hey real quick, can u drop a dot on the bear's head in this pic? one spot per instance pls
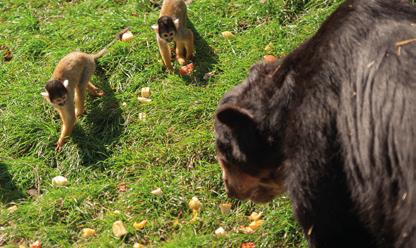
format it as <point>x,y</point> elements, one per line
<point>250,130</point>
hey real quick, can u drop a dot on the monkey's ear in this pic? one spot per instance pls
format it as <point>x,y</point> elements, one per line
<point>176,22</point>
<point>234,116</point>
<point>66,83</point>
<point>155,27</point>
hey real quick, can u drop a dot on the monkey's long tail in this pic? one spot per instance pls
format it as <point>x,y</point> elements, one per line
<point>105,49</point>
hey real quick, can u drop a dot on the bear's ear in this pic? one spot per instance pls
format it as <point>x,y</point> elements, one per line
<point>234,117</point>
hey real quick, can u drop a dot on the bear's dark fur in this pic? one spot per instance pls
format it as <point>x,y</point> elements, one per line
<point>339,114</point>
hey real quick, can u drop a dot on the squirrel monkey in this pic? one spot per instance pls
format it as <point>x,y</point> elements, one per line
<point>171,27</point>
<point>68,85</point>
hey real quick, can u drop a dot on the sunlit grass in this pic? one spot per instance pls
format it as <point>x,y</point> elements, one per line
<point>172,149</point>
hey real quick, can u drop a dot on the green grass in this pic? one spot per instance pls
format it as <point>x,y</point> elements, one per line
<point>172,149</point>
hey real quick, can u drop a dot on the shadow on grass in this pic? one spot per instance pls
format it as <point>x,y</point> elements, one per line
<point>8,190</point>
<point>104,118</point>
<point>204,59</point>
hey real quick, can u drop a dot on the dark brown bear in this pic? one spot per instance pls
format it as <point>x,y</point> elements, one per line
<point>333,125</point>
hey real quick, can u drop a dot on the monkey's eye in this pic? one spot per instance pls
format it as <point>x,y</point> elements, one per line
<point>165,35</point>
<point>171,33</point>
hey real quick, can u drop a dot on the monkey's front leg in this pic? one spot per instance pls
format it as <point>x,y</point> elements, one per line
<point>68,118</point>
<point>94,91</point>
<point>180,47</point>
<point>165,53</point>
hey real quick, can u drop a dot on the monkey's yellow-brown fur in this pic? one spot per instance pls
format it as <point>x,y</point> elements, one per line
<point>184,38</point>
<point>67,87</point>
<point>77,68</point>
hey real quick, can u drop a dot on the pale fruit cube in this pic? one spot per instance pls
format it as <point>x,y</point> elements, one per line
<point>87,232</point>
<point>220,232</point>
<point>12,209</point>
<point>59,181</point>
<point>127,36</point>
<point>195,204</point>
<point>157,192</point>
<point>145,92</point>
<point>118,229</point>
<point>143,99</point>
<point>227,35</point>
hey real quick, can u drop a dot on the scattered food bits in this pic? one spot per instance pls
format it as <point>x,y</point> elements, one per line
<point>12,209</point>
<point>122,187</point>
<point>220,232</point>
<point>225,208</point>
<point>36,244</point>
<point>139,225</point>
<point>269,58</point>
<point>186,69</point>
<point>157,192</point>
<point>246,230</point>
<point>195,204</point>
<point>248,245</point>
<point>137,245</point>
<point>143,99</point>
<point>127,36</point>
<point>145,92</point>
<point>142,116</point>
<point>59,181</point>
<point>118,229</point>
<point>194,216</point>
<point>227,35</point>
<point>87,232</point>
<point>256,224</point>
<point>117,212</point>
<point>124,104</point>
<point>255,216</point>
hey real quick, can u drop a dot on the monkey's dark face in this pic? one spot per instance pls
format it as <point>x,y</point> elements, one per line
<point>166,28</point>
<point>60,101</point>
<point>57,92</point>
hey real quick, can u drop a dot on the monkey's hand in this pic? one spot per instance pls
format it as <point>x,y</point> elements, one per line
<point>59,145</point>
<point>100,93</point>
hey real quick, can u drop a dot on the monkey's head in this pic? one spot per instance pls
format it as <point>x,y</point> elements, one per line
<point>249,137</point>
<point>56,92</point>
<point>166,27</point>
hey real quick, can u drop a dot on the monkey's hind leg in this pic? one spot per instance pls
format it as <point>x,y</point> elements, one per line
<point>165,53</point>
<point>180,49</point>
<point>94,90</point>
<point>79,100</point>
<point>189,45</point>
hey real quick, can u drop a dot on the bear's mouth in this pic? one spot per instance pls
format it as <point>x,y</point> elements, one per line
<point>263,194</point>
